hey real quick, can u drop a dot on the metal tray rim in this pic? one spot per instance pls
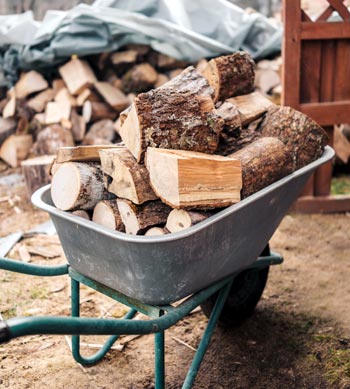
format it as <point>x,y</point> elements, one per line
<point>39,203</point>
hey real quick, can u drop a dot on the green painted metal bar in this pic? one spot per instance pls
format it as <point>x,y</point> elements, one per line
<point>204,343</point>
<point>159,359</point>
<point>31,269</point>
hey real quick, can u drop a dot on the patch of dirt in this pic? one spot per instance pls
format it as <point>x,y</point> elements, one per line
<point>298,336</point>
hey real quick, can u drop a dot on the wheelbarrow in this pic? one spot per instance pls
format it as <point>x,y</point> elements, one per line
<point>220,264</point>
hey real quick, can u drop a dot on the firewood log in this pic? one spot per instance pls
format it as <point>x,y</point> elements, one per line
<point>232,120</point>
<point>102,129</point>
<point>139,78</point>
<point>263,162</point>
<point>7,128</point>
<point>9,110</point>
<point>30,82</point>
<point>78,126</point>
<point>51,138</point>
<point>161,80</point>
<point>38,102</point>
<point>78,185</point>
<point>126,178</point>
<point>155,231</point>
<point>63,95</point>
<point>122,61</point>
<point>15,149</point>
<point>184,179</point>
<point>180,219</point>
<point>250,106</point>
<point>107,214</point>
<point>231,75</point>
<point>78,75</point>
<point>304,138</point>
<point>113,96</point>
<point>36,172</point>
<point>178,116</point>
<point>82,213</point>
<point>82,153</point>
<point>138,218</point>
<point>86,94</point>
<point>94,110</point>
<point>164,62</point>
<point>55,112</point>
<point>57,85</point>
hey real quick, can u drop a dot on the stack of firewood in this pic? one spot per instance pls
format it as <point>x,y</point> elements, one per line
<point>198,143</point>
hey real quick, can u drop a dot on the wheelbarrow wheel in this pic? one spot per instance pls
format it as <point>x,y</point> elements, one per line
<point>245,293</point>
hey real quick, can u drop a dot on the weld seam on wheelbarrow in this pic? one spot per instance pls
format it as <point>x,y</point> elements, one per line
<point>162,317</point>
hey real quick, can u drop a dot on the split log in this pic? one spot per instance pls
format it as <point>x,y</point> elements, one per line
<point>232,120</point>
<point>94,110</point>
<point>15,149</point>
<point>341,145</point>
<point>139,78</point>
<point>180,219</point>
<point>122,61</point>
<point>9,110</point>
<point>38,102</point>
<point>77,185</point>
<point>64,96</point>
<point>78,75</point>
<point>164,62</point>
<point>126,178</point>
<point>201,65</point>
<point>29,83</point>
<point>86,94</point>
<point>155,231</point>
<point>231,75</point>
<point>107,214</point>
<point>36,172</point>
<point>176,115</point>
<point>57,85</point>
<point>185,179</point>
<point>51,138</point>
<point>161,80</point>
<point>81,153</point>
<point>7,128</point>
<point>55,112</point>
<point>266,80</point>
<point>304,138</point>
<point>82,213</point>
<point>251,106</point>
<point>138,218</point>
<point>113,96</point>
<point>102,129</point>
<point>78,126</point>
<point>263,162</point>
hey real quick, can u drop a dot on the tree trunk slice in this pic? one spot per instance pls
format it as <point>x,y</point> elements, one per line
<point>107,214</point>
<point>82,213</point>
<point>126,178</point>
<point>303,137</point>
<point>36,172</point>
<point>231,75</point>
<point>180,219</point>
<point>263,162</point>
<point>51,138</point>
<point>137,219</point>
<point>77,185</point>
<point>155,231</point>
<point>185,179</point>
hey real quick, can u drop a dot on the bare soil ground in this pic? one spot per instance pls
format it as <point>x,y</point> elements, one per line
<point>298,337</point>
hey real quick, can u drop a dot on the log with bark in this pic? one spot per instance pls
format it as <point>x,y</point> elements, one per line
<point>264,161</point>
<point>15,149</point>
<point>138,218</point>
<point>82,213</point>
<point>185,179</point>
<point>231,75</point>
<point>180,219</point>
<point>100,130</point>
<point>107,214</point>
<point>78,126</point>
<point>304,138</point>
<point>155,231</point>
<point>51,138</point>
<point>125,177</point>
<point>36,172</point>
<point>173,116</point>
<point>78,185</point>
<point>139,78</point>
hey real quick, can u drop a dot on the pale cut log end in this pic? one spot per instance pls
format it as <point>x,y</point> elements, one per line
<point>106,213</point>
<point>155,231</point>
<point>128,216</point>
<point>81,213</point>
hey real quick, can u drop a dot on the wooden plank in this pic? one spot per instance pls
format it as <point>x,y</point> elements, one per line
<point>327,113</point>
<point>322,204</point>
<point>310,72</point>
<point>327,70</point>
<point>339,6</point>
<point>82,153</point>
<point>291,53</point>
<point>325,14</point>
<point>325,30</point>
<point>308,189</point>
<point>342,71</point>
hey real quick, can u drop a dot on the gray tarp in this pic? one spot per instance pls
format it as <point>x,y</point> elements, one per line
<point>184,29</point>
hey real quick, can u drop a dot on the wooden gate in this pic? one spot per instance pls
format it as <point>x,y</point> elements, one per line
<point>316,81</point>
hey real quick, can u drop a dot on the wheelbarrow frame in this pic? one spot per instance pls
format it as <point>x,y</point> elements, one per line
<point>161,317</point>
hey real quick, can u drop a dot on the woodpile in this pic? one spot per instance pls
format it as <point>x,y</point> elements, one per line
<point>198,143</point>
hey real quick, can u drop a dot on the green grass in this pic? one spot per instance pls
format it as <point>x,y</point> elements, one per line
<point>340,185</point>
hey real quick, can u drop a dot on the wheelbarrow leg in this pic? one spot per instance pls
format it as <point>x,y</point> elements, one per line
<point>159,360</point>
<point>75,304</point>
<point>204,343</point>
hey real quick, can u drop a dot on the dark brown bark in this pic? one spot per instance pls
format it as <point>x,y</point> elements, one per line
<point>304,138</point>
<point>139,78</point>
<point>263,162</point>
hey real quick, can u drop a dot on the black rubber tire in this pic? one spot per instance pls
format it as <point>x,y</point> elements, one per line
<point>243,297</point>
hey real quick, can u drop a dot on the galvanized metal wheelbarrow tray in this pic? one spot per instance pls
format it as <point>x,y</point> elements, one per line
<point>149,273</point>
